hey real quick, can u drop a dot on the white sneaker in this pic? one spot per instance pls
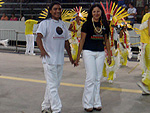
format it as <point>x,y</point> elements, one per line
<point>32,54</point>
<point>143,87</point>
<point>26,53</point>
<point>144,94</point>
<point>110,81</point>
<point>46,111</point>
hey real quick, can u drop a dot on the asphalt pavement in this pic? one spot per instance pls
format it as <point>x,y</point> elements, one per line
<point>22,87</point>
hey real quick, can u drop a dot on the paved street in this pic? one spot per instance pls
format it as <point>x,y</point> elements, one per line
<point>22,86</point>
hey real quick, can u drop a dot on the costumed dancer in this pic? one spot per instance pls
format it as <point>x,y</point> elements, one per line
<point>124,45</point>
<point>114,16</point>
<point>145,53</point>
<point>75,28</point>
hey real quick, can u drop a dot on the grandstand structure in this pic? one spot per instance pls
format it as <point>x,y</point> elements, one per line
<point>34,7</point>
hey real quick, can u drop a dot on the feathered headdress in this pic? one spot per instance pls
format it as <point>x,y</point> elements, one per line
<point>78,12</point>
<point>1,2</point>
<point>66,15</point>
<point>114,13</point>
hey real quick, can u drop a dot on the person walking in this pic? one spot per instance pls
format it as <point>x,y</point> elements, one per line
<point>94,36</point>
<point>52,37</point>
<point>29,36</point>
<point>145,53</point>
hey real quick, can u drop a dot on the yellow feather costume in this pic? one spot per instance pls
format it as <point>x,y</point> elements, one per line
<point>116,17</point>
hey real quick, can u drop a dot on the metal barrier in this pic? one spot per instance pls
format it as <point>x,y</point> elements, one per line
<point>17,39</point>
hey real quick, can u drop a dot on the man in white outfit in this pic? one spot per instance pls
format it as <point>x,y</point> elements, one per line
<point>52,37</point>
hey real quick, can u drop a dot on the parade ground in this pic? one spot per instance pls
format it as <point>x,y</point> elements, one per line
<point>22,87</point>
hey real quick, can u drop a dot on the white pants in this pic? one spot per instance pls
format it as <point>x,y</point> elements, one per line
<point>29,43</point>
<point>94,62</point>
<point>53,75</point>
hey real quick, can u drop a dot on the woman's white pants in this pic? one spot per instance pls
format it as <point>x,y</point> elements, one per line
<point>53,75</point>
<point>29,44</point>
<point>94,62</point>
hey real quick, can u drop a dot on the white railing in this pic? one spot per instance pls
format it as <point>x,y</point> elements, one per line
<point>14,37</point>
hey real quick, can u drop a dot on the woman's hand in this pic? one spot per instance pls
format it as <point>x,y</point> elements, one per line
<point>76,62</point>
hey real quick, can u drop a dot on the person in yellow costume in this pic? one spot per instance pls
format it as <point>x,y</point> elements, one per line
<point>115,15</point>
<point>123,45</point>
<point>29,36</point>
<point>145,40</point>
<point>75,28</point>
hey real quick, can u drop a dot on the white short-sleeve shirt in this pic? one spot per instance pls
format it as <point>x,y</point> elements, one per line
<point>54,35</point>
<point>130,11</point>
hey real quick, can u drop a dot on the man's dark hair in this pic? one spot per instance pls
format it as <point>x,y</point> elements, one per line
<point>50,8</point>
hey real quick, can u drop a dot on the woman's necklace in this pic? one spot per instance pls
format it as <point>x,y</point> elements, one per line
<point>98,31</point>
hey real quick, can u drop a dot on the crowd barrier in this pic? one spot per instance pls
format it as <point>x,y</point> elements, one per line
<point>16,36</point>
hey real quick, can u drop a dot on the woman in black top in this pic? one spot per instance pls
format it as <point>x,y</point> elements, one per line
<point>94,36</point>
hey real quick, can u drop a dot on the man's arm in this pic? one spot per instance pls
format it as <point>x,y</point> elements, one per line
<point>40,45</point>
<point>82,41</point>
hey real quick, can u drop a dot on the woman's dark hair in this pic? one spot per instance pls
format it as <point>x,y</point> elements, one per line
<point>102,17</point>
<point>50,8</point>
